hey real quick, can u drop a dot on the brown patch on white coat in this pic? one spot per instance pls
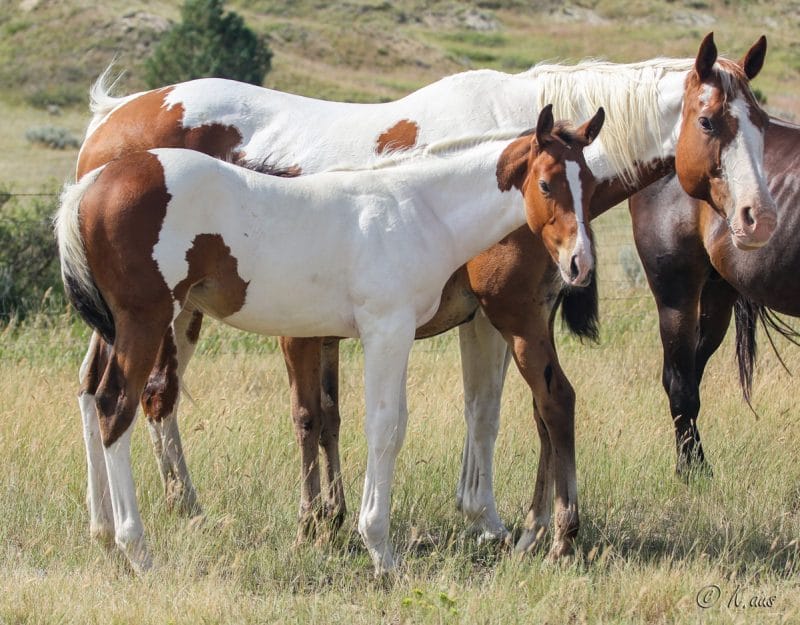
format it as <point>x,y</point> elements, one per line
<point>131,206</point>
<point>149,122</point>
<point>402,136</point>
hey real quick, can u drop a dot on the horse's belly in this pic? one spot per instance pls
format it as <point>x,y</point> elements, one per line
<point>298,312</point>
<point>458,305</point>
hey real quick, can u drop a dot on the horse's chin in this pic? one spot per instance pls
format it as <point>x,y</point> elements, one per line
<point>746,245</point>
<point>578,283</point>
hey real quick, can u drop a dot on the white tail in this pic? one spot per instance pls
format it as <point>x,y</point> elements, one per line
<point>75,272</point>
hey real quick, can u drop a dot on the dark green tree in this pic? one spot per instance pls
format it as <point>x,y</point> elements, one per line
<point>208,42</point>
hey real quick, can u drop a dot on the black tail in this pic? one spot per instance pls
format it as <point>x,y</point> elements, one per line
<point>90,305</point>
<point>747,314</point>
<point>579,311</point>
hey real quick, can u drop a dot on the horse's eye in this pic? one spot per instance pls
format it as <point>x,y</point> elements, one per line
<point>545,188</point>
<point>706,125</point>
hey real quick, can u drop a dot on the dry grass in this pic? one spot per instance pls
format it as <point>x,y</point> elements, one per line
<point>648,543</point>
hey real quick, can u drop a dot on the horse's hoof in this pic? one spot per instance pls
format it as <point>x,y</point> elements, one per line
<point>499,538</point>
<point>181,500</point>
<point>561,551</point>
<point>103,535</point>
<point>530,541</point>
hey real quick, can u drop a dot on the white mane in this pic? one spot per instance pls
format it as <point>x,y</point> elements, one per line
<point>628,93</point>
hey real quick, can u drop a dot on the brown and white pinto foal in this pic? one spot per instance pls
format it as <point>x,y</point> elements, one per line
<point>152,233</point>
<point>504,298</point>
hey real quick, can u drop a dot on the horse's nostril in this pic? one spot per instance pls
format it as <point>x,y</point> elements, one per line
<point>747,217</point>
<point>573,268</point>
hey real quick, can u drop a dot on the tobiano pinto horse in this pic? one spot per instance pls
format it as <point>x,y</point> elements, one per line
<point>153,234</point>
<point>699,278</point>
<point>504,299</point>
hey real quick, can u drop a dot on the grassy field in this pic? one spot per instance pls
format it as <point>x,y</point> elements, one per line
<point>648,543</point>
<point>650,546</point>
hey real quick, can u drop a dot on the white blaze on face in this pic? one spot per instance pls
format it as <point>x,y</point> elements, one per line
<point>743,161</point>
<point>583,246</point>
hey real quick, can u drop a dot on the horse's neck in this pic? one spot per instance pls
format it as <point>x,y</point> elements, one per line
<point>461,195</point>
<point>652,162</point>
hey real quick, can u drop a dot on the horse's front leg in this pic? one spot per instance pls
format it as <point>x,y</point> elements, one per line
<point>387,343</point>
<point>677,267</point>
<point>302,358</point>
<point>160,403</point>
<point>484,362</point>
<point>554,411</point>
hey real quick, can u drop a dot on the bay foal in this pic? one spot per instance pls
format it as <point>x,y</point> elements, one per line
<point>504,298</point>
<point>361,253</point>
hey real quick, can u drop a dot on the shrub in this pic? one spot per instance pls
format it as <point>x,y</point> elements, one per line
<point>632,267</point>
<point>29,269</point>
<point>208,43</point>
<point>52,137</point>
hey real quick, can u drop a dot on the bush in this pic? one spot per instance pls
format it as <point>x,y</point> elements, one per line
<point>632,267</point>
<point>52,137</point>
<point>208,43</point>
<point>29,270</point>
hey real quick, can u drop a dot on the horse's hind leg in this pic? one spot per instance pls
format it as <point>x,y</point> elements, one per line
<point>302,358</point>
<point>334,507</point>
<point>160,403</point>
<point>98,498</point>
<point>132,357</point>
<point>484,362</point>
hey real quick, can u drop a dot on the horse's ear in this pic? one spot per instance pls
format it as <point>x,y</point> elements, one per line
<point>753,61</point>
<point>592,128</point>
<point>512,166</point>
<point>706,57</point>
<point>544,126</point>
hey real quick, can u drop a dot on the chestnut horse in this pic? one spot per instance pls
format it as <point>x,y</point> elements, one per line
<point>504,298</point>
<point>153,234</point>
<point>698,278</point>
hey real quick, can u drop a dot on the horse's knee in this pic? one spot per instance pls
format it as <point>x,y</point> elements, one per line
<point>160,395</point>
<point>307,425</point>
<point>331,421</point>
<point>558,405</point>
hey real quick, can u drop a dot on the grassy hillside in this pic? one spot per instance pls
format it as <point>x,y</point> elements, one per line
<point>361,50</point>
